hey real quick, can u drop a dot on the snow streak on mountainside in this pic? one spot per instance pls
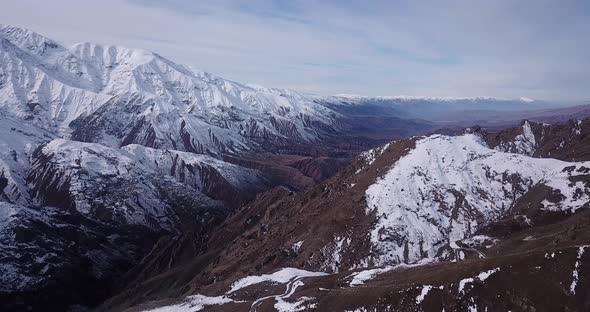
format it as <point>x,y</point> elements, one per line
<point>117,96</point>
<point>524,143</point>
<point>135,184</point>
<point>17,143</point>
<point>449,187</point>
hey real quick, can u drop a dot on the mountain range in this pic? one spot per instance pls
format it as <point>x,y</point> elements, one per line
<point>130,182</point>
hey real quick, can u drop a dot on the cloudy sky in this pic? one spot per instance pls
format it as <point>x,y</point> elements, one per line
<point>504,48</point>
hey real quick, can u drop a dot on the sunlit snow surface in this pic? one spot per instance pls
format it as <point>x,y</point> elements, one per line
<point>480,277</point>
<point>51,86</point>
<point>359,278</point>
<point>194,303</point>
<point>576,272</point>
<point>524,143</point>
<point>291,277</point>
<point>448,187</point>
<point>17,142</point>
<point>282,276</point>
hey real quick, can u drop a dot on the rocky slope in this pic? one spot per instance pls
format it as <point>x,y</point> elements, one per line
<point>475,208</point>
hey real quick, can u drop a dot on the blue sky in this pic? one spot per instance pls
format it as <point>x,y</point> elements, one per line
<point>528,48</point>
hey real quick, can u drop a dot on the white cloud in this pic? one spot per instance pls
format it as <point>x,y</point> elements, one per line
<point>532,48</point>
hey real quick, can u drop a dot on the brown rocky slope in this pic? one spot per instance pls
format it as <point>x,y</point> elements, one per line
<point>516,259</point>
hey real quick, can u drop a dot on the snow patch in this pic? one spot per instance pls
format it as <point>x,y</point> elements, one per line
<point>333,253</point>
<point>524,143</point>
<point>194,303</point>
<point>423,293</point>
<point>281,276</point>
<point>481,277</point>
<point>297,246</point>
<point>359,278</point>
<point>576,272</point>
<point>302,304</point>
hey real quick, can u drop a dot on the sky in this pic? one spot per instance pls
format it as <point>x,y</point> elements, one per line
<point>537,49</point>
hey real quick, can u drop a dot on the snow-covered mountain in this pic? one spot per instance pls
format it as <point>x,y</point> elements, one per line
<point>118,96</point>
<point>447,188</point>
<point>104,149</point>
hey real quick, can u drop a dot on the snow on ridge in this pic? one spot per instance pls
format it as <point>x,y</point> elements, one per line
<point>82,168</point>
<point>17,143</point>
<point>524,143</point>
<point>359,278</point>
<point>26,39</point>
<point>371,155</point>
<point>414,201</point>
<point>425,290</point>
<point>576,273</point>
<point>162,160</point>
<point>481,277</point>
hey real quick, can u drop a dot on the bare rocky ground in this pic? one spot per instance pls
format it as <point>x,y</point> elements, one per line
<point>533,270</point>
<point>530,260</point>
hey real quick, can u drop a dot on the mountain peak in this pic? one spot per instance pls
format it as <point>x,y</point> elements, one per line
<point>92,51</point>
<point>27,40</point>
